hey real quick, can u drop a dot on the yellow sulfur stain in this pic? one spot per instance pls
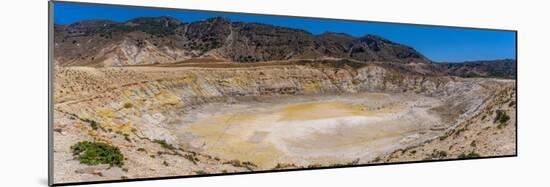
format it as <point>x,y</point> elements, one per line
<point>166,98</point>
<point>229,135</point>
<point>311,87</point>
<point>228,82</point>
<point>125,128</point>
<point>310,111</point>
<point>106,113</point>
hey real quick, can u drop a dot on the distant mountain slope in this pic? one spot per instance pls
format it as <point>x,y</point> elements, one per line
<point>150,40</point>
<point>491,68</point>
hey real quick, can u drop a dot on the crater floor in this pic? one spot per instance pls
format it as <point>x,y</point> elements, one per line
<point>310,130</point>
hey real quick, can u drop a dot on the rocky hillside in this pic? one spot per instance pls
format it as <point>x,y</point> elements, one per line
<point>153,40</point>
<point>493,68</point>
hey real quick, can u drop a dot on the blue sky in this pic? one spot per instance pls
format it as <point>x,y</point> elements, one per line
<point>440,44</point>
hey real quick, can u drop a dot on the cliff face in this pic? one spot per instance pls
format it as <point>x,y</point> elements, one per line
<point>151,40</point>
<point>298,79</point>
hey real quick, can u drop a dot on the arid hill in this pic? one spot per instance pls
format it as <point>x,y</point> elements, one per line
<point>151,40</point>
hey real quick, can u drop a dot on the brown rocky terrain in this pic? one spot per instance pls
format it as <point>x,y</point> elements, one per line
<point>155,40</point>
<point>178,99</point>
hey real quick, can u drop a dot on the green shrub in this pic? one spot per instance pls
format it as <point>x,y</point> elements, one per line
<point>94,153</point>
<point>201,172</point>
<point>164,144</point>
<point>128,105</point>
<point>502,118</point>
<point>443,137</point>
<point>93,123</point>
<point>472,154</point>
<point>438,154</point>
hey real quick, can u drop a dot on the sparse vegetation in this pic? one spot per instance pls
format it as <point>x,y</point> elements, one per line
<point>473,144</point>
<point>127,137</point>
<point>284,165</point>
<point>457,133</point>
<point>141,150</point>
<point>92,123</point>
<point>128,105</point>
<point>164,144</point>
<point>501,118</point>
<point>443,137</point>
<point>438,154</point>
<point>472,154</point>
<point>192,158</point>
<point>94,153</point>
<point>201,172</point>
<point>246,164</point>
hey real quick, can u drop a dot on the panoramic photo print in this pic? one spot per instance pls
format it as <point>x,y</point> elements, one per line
<point>140,93</point>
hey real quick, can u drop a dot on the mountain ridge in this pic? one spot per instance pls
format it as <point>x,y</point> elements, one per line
<point>172,40</point>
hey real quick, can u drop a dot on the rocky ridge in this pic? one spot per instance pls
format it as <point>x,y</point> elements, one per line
<point>152,40</point>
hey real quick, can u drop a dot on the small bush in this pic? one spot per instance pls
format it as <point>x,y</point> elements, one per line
<point>127,137</point>
<point>191,158</point>
<point>473,144</point>
<point>502,119</point>
<point>128,105</point>
<point>438,154</point>
<point>93,123</point>
<point>164,144</point>
<point>94,153</point>
<point>472,154</point>
<point>201,172</point>
<point>443,137</point>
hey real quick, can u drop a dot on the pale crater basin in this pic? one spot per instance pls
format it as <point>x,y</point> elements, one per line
<point>309,130</point>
